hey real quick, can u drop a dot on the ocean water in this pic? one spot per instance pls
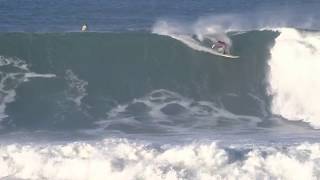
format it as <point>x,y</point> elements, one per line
<point>143,96</point>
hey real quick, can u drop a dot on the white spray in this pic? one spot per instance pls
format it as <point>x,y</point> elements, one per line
<point>193,35</point>
<point>294,77</point>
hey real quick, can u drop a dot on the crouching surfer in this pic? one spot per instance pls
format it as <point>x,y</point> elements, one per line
<point>221,47</point>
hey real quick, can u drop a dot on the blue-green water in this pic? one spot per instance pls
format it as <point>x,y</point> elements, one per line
<point>141,95</point>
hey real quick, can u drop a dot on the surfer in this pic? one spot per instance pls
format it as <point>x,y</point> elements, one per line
<point>221,47</point>
<point>84,28</point>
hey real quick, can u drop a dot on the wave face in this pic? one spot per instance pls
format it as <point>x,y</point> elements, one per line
<point>135,82</point>
<point>93,74</point>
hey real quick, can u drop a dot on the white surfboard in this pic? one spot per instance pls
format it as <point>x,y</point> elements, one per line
<point>225,55</point>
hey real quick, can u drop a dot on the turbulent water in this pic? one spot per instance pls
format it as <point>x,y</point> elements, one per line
<point>158,103</point>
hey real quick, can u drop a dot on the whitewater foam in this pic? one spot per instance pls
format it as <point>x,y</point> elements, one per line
<point>294,81</point>
<point>169,111</point>
<point>10,80</point>
<point>77,87</point>
<point>115,158</point>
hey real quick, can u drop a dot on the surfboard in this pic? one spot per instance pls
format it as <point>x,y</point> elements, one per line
<point>225,55</point>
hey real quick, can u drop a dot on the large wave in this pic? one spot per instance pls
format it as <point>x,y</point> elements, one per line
<point>93,74</point>
<point>107,89</point>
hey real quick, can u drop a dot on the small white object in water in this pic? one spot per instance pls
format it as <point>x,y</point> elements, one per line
<point>84,28</point>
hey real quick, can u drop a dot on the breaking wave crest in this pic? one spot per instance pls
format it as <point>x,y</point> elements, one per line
<point>293,77</point>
